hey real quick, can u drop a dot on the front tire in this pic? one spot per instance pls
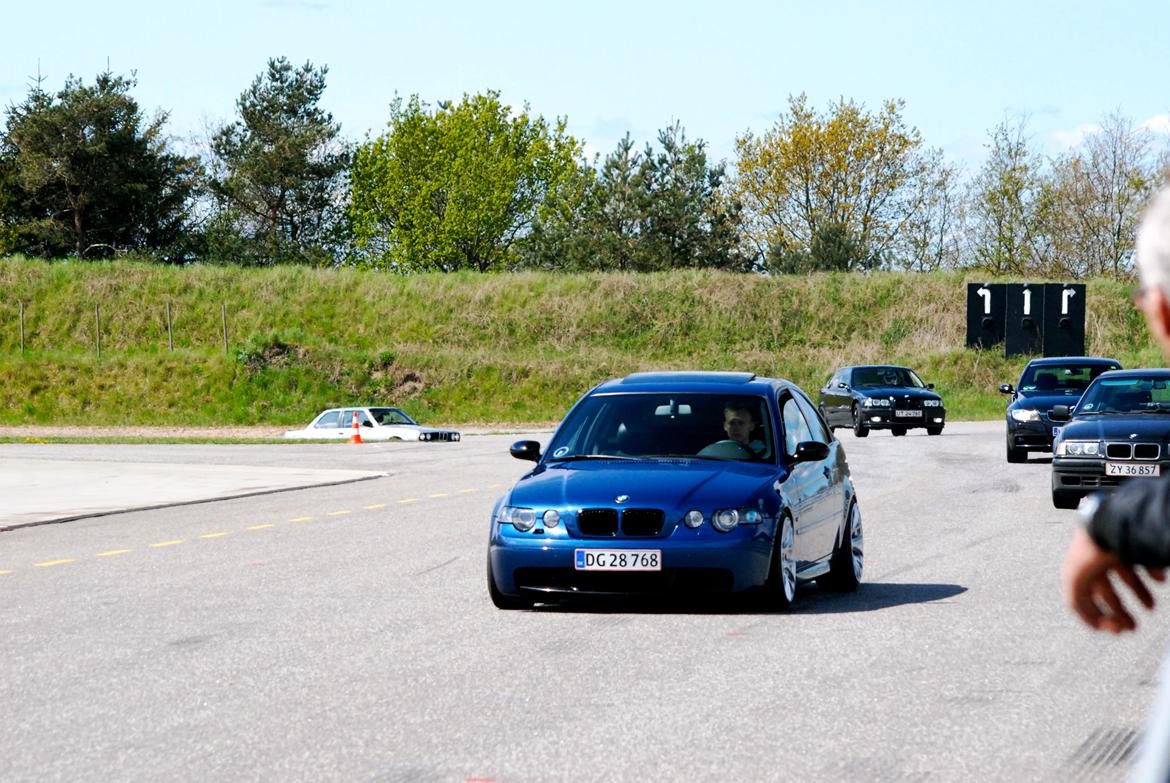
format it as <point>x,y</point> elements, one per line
<point>848,556</point>
<point>781,586</point>
<point>898,432</point>
<point>1016,455</point>
<point>860,428</point>
<point>500,600</point>
<point>934,430</point>
<point>1065,499</point>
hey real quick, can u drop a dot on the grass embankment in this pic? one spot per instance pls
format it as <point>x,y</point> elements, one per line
<point>467,348</point>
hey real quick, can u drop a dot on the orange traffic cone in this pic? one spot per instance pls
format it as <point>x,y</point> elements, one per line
<point>357,433</point>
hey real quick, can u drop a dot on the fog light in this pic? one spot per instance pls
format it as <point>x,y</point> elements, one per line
<point>725,520</point>
<point>552,518</point>
<point>694,518</point>
<point>937,420</point>
<point>875,418</point>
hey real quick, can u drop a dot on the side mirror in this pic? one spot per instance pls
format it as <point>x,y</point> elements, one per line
<point>842,385</point>
<point>930,386</point>
<point>1007,388</point>
<point>810,451</point>
<point>526,449</point>
<point>1060,413</point>
<point>367,423</point>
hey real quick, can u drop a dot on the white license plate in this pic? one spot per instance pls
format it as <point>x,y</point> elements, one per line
<point>617,559</point>
<point>908,414</point>
<point>1131,469</point>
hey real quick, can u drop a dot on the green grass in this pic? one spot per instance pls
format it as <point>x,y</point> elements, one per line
<point>465,348</point>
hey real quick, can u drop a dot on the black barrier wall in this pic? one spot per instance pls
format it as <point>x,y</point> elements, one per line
<point>1064,319</point>
<point>1025,319</point>
<point>985,314</point>
<point>1028,318</point>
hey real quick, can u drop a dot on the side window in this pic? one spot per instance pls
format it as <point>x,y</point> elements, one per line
<point>347,419</point>
<point>795,427</point>
<point>816,428</point>
<point>328,421</point>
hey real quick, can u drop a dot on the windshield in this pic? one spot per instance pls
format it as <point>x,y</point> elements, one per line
<point>391,416</point>
<point>873,377</point>
<point>1060,379</point>
<point>1127,395</point>
<point>666,425</point>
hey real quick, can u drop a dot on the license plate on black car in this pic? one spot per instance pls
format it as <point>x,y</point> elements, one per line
<point>1131,469</point>
<point>908,414</point>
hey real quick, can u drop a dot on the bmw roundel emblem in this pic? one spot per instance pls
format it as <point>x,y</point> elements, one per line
<point>621,498</point>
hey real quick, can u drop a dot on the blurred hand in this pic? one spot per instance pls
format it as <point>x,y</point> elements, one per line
<point>1089,591</point>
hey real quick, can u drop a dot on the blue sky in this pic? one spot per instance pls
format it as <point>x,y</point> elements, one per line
<point>616,67</point>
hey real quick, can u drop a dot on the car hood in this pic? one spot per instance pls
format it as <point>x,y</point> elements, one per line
<point>1044,402</point>
<point>898,392</point>
<point>1146,426</point>
<point>674,484</point>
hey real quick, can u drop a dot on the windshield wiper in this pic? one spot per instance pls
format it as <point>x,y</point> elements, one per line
<point>573,457</point>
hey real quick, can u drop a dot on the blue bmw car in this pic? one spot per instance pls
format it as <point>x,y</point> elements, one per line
<point>679,483</point>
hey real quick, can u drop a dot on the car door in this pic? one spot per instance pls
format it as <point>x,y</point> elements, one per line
<point>832,468</point>
<point>807,490</point>
<point>327,425</point>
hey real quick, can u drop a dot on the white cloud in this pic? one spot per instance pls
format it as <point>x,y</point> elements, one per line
<point>1159,124</point>
<point>1070,139</point>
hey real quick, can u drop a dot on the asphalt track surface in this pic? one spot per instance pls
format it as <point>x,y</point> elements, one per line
<point>343,632</point>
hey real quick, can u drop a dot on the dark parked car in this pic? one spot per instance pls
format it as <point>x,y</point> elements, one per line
<point>1119,430</point>
<point>1043,384</point>
<point>886,397</point>
<point>679,483</point>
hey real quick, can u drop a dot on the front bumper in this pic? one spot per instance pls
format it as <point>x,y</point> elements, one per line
<point>888,418</point>
<point>1082,475</point>
<point>1030,435</point>
<point>692,562</point>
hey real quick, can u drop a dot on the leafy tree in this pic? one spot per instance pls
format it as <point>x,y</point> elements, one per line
<point>459,187</point>
<point>650,210</point>
<point>1093,198</point>
<point>279,173</point>
<point>83,172</point>
<point>1006,228</point>
<point>848,173</point>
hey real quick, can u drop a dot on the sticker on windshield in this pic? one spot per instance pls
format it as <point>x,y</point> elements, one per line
<point>562,451</point>
<point>1088,406</point>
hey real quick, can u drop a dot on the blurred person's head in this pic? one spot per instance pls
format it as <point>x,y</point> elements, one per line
<point>1152,254</point>
<point>738,422</point>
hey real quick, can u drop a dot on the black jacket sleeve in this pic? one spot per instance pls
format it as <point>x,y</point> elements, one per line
<point>1134,522</point>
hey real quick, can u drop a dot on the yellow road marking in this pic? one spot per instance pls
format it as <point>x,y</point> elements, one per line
<point>438,495</point>
<point>465,491</point>
<point>2,573</point>
<point>49,563</point>
<point>219,534</point>
<point>301,519</point>
<point>161,544</point>
<point>261,527</point>
<point>341,513</point>
<point>113,552</point>
<point>374,506</point>
<point>409,500</point>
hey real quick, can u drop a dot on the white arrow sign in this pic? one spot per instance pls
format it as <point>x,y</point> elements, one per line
<point>1065,295</point>
<point>986,294</point>
<point>1027,301</point>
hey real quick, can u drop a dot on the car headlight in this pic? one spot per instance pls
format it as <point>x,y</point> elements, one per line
<point>693,518</point>
<point>1025,414</point>
<point>551,518</point>
<point>523,519</point>
<point>932,403</point>
<point>875,402</point>
<point>727,519</point>
<point>1079,448</point>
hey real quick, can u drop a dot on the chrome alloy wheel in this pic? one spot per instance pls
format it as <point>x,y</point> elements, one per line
<point>787,561</point>
<point>856,541</point>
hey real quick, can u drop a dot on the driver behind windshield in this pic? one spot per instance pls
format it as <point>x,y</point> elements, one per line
<point>739,424</point>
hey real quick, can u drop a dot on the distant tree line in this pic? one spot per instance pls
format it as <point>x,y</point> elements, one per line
<point>476,184</point>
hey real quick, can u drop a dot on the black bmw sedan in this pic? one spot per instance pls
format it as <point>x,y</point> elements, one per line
<point>886,397</point>
<point>1043,384</point>
<point>1119,430</point>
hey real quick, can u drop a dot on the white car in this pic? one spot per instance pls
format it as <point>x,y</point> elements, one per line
<point>373,423</point>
